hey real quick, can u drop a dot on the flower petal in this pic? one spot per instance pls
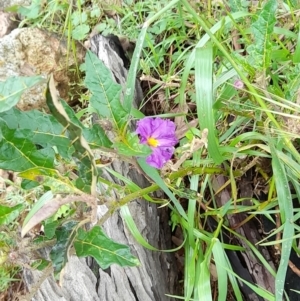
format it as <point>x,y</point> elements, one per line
<point>159,156</point>
<point>144,129</point>
<point>160,126</point>
<point>167,141</point>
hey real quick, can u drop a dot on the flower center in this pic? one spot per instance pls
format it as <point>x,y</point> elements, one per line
<point>152,142</point>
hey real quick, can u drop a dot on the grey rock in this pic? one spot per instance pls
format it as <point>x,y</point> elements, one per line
<point>8,3</point>
<point>31,51</point>
<point>7,23</point>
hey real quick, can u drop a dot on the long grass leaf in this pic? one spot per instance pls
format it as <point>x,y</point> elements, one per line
<point>154,175</point>
<point>204,98</point>
<point>220,261</point>
<point>126,215</point>
<point>286,211</point>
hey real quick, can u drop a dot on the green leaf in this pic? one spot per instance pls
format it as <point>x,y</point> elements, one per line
<point>31,11</point>
<point>50,228</point>
<point>104,250</point>
<point>59,253</point>
<point>203,292</point>
<point>220,261</point>
<point>131,146</point>
<point>105,92</point>
<point>78,17</point>
<point>134,65</point>
<point>285,203</point>
<point>40,264</point>
<point>18,152</point>
<point>9,214</point>
<point>46,130</point>
<point>12,89</point>
<point>50,178</point>
<point>95,13</point>
<point>236,5</point>
<point>46,197</point>
<point>48,206</point>
<point>153,174</point>
<point>262,30</point>
<point>86,163</point>
<point>96,137</point>
<point>80,32</point>
<point>204,98</point>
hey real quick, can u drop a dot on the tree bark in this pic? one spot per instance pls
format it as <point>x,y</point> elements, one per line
<point>82,279</point>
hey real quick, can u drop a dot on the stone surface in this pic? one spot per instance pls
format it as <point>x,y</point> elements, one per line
<point>31,51</point>
<point>7,23</point>
<point>8,3</point>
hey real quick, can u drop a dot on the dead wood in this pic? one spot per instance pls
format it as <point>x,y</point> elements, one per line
<point>82,280</point>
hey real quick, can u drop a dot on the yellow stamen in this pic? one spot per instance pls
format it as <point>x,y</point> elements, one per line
<point>152,142</point>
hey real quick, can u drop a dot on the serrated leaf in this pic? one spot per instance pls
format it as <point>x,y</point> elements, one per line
<point>104,250</point>
<point>262,30</point>
<point>80,32</point>
<point>12,89</point>
<point>18,153</point>
<point>31,11</point>
<point>59,253</point>
<point>46,130</point>
<point>105,92</point>
<point>51,178</point>
<point>9,214</point>
<point>86,162</point>
<point>78,17</point>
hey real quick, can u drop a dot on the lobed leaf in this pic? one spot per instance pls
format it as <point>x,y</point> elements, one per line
<point>262,30</point>
<point>96,137</point>
<point>104,250</point>
<point>106,94</point>
<point>46,130</point>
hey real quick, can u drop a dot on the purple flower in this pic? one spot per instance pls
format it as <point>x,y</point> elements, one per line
<point>159,134</point>
<point>238,84</point>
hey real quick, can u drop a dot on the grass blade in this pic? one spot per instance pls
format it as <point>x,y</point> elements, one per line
<point>204,98</point>
<point>286,211</point>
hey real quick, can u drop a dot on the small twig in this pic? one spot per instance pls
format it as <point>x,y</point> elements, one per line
<point>156,81</point>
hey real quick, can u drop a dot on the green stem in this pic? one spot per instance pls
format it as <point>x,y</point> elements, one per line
<point>140,193</point>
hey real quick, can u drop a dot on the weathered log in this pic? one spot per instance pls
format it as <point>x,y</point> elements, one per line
<point>82,279</point>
